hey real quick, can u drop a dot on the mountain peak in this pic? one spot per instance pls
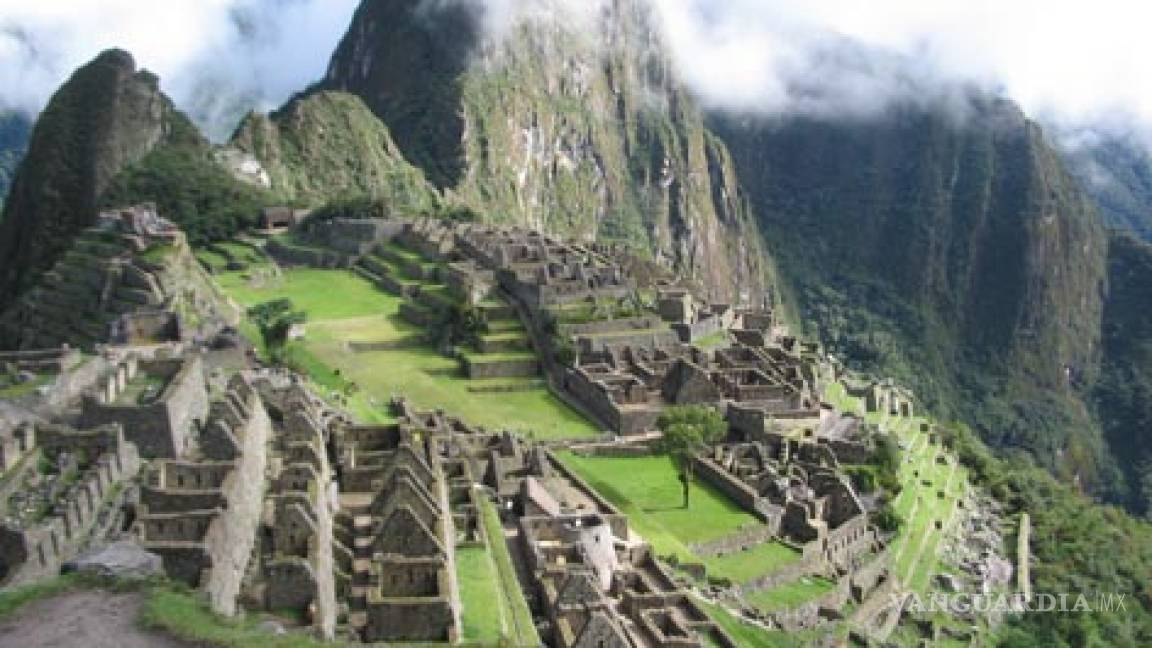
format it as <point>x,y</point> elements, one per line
<point>106,116</point>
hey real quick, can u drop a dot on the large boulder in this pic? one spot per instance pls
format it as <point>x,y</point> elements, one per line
<point>118,560</point>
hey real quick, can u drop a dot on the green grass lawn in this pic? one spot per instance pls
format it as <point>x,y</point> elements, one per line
<point>745,634</point>
<point>744,566</point>
<point>344,307</point>
<point>322,294</point>
<point>647,490</point>
<point>483,612</point>
<point>712,340</point>
<point>792,595</point>
<point>214,260</point>
<point>20,390</point>
<point>520,628</point>
<point>649,487</point>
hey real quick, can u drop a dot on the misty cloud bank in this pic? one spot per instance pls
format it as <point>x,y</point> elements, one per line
<point>1069,62</point>
<point>216,58</point>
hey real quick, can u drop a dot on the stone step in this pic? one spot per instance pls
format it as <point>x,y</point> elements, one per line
<point>362,547</point>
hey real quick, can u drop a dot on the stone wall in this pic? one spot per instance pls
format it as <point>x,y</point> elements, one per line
<point>159,429</point>
<point>736,490</point>
<point>483,368</point>
<point>210,548</point>
<point>653,339</point>
<point>230,539</point>
<point>291,255</point>
<point>33,552</point>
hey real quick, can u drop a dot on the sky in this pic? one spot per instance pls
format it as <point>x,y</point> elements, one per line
<point>1069,61</point>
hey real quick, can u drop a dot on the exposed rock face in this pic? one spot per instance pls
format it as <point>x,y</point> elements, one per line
<point>118,560</point>
<point>1124,392</point>
<point>107,116</point>
<point>960,256</point>
<point>569,119</point>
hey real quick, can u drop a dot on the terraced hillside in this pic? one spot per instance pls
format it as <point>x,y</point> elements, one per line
<point>99,280</point>
<point>373,327</point>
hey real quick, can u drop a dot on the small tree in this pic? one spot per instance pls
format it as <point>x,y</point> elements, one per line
<point>688,431</point>
<point>275,320</point>
<point>462,324</point>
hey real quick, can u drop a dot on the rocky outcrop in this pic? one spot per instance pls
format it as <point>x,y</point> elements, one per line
<point>567,119</point>
<point>107,116</point>
<point>123,559</point>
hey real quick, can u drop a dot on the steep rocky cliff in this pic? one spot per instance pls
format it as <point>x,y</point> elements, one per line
<point>1124,391</point>
<point>956,254</point>
<point>568,117</point>
<point>107,116</point>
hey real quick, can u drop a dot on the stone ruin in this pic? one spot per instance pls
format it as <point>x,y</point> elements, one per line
<point>594,583</point>
<point>161,403</point>
<point>201,513</point>
<point>61,488</point>
<point>112,286</point>
<point>629,387</point>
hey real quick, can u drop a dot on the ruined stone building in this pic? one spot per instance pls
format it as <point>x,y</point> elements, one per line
<point>395,517</point>
<point>201,513</point>
<point>61,488</point>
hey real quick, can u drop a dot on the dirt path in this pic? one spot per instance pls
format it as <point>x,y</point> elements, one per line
<point>82,619</point>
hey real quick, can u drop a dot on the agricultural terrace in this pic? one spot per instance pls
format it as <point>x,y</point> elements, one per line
<point>348,314</point>
<point>933,484</point>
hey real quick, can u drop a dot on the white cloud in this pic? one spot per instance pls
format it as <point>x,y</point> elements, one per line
<point>1073,61</point>
<point>208,53</point>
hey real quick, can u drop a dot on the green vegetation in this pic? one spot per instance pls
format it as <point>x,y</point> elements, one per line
<point>185,616</point>
<point>328,146</point>
<point>743,566</point>
<point>482,601</point>
<point>168,607</point>
<point>190,188</point>
<point>15,598</point>
<point>275,320</point>
<point>645,489</point>
<point>357,207</point>
<point>1077,546</point>
<point>932,283</point>
<point>792,595</point>
<point>344,309</point>
<point>712,340</point>
<point>11,388</point>
<point>748,635</point>
<point>1123,396</point>
<point>520,628</point>
<point>688,431</point>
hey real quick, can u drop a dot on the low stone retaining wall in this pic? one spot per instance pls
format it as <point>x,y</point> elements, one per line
<point>525,368</point>
<point>742,540</point>
<point>290,255</point>
<point>507,388</point>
